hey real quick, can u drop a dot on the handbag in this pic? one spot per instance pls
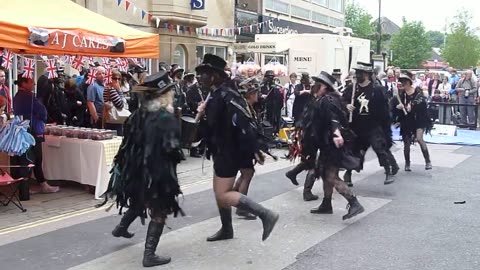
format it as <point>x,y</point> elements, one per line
<point>112,115</point>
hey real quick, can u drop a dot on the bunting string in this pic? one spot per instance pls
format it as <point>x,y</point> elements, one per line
<point>206,31</point>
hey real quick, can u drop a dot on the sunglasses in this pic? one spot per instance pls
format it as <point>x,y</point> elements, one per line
<point>115,78</point>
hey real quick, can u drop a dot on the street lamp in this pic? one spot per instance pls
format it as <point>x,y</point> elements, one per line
<point>379,28</point>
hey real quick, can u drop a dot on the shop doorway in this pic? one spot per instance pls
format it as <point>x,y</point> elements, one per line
<point>180,56</point>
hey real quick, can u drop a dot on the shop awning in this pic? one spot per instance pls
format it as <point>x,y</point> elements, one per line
<point>57,27</point>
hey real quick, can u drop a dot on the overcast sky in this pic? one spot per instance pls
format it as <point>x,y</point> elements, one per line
<point>432,13</point>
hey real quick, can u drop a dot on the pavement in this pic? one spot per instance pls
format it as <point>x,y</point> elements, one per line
<point>411,224</point>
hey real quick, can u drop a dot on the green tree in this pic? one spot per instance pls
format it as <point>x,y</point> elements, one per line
<point>462,45</point>
<point>359,20</point>
<point>436,38</point>
<point>410,45</point>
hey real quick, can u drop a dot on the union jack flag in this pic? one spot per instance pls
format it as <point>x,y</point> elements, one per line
<point>51,69</point>
<point>108,77</point>
<point>91,76</point>
<point>78,62</point>
<point>28,68</point>
<point>122,64</point>
<point>106,62</point>
<point>7,59</point>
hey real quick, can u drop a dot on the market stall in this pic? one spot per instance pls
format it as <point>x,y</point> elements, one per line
<point>33,31</point>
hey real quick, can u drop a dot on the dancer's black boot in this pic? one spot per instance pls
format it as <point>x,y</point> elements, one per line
<point>307,187</point>
<point>153,236</point>
<point>426,155</point>
<point>245,215</point>
<point>226,232</point>
<point>354,208</point>
<point>324,208</point>
<point>268,217</point>
<point>347,178</point>
<point>121,230</point>
<point>292,174</point>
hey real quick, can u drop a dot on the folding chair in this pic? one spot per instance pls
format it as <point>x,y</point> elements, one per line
<point>13,184</point>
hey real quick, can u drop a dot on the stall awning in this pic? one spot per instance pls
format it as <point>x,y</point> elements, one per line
<point>58,27</point>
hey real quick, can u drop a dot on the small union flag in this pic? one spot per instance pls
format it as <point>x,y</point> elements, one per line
<point>51,69</point>
<point>7,59</point>
<point>91,76</point>
<point>28,68</point>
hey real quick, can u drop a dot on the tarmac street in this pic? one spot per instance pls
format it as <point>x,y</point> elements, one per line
<point>412,224</point>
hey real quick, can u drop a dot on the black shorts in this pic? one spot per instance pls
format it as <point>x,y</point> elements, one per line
<point>225,165</point>
<point>245,163</point>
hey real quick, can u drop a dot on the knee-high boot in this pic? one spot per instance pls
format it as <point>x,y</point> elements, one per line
<point>292,174</point>
<point>154,232</point>
<point>426,156</point>
<point>121,230</point>
<point>268,217</point>
<point>406,153</point>
<point>226,232</point>
<point>347,178</point>
<point>307,187</point>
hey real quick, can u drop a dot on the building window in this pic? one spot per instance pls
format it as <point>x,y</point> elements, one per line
<point>179,56</point>
<point>320,18</point>
<point>336,22</point>
<point>336,5</point>
<point>277,6</point>
<point>320,2</point>
<point>218,51</point>
<point>300,12</point>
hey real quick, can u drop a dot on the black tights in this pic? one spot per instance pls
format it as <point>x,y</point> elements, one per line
<point>407,141</point>
<point>332,180</point>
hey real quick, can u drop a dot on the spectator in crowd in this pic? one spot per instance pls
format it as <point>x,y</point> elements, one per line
<point>302,96</point>
<point>76,104</point>
<point>453,80</point>
<point>29,107</point>
<point>95,97</point>
<point>289,94</point>
<point>113,97</point>
<point>445,88</point>
<point>397,73</point>
<point>467,92</point>
<point>433,84</point>
<point>5,92</point>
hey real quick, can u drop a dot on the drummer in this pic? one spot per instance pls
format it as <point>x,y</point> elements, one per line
<point>194,97</point>
<point>249,89</point>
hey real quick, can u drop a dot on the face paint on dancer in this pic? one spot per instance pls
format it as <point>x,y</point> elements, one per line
<point>206,79</point>
<point>360,76</point>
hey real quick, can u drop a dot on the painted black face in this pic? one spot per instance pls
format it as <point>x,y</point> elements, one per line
<point>360,76</point>
<point>206,79</point>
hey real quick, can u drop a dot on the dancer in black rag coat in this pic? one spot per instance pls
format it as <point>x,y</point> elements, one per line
<point>144,175</point>
<point>326,129</point>
<point>371,121</point>
<point>230,131</point>
<point>410,110</point>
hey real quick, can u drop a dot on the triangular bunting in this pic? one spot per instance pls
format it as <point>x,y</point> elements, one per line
<point>157,21</point>
<point>134,10</point>
<point>149,18</point>
<point>178,28</point>
<point>127,4</point>
<point>119,2</point>
<point>143,14</point>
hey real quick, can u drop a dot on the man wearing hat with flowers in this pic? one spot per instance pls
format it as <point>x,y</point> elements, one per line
<point>144,178</point>
<point>370,120</point>
<point>326,129</point>
<point>230,132</point>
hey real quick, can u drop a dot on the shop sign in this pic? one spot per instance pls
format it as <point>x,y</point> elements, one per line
<point>197,4</point>
<point>255,47</point>
<point>275,26</point>
<point>74,40</point>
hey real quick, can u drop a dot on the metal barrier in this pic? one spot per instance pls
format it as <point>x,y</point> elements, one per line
<point>455,114</point>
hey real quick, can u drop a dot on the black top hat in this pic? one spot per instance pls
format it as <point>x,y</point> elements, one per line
<point>325,78</point>
<point>305,75</point>
<point>269,73</point>
<point>362,66</point>
<point>158,83</point>
<point>337,71</point>
<point>188,74</point>
<point>213,63</point>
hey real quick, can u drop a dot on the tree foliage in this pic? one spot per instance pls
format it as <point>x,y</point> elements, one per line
<point>462,46</point>
<point>410,45</point>
<point>436,38</point>
<point>359,20</point>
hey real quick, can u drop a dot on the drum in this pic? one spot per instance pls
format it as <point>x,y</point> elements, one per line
<point>189,130</point>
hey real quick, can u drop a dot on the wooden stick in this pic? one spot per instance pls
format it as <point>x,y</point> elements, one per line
<point>400,102</point>
<point>354,86</point>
